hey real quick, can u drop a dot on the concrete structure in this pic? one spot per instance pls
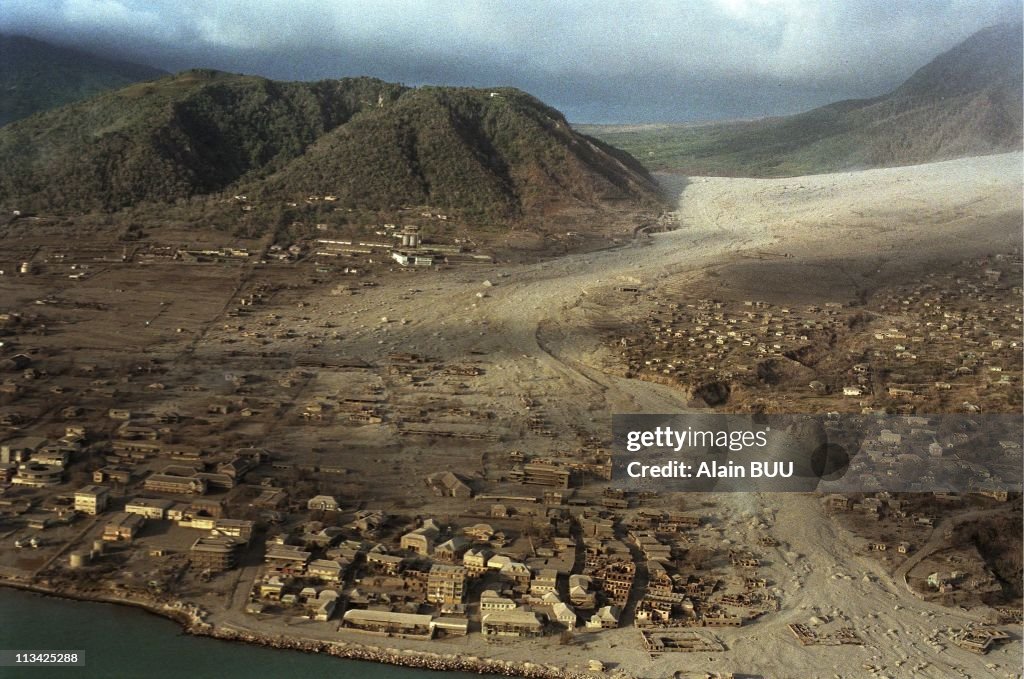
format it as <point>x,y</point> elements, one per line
<point>564,615</point>
<point>91,500</point>
<point>290,557</point>
<point>240,529</point>
<point>446,585</point>
<point>516,623</point>
<point>546,474</point>
<point>21,449</point>
<point>491,601</point>
<point>544,582</point>
<point>410,236</point>
<point>150,508</point>
<point>421,540</point>
<point>214,553</point>
<point>112,474</point>
<point>451,626</point>
<point>122,527</point>
<point>325,569</point>
<point>53,455</point>
<point>37,475</point>
<point>179,485</point>
<point>390,564</point>
<point>416,258</point>
<point>386,622</point>
<point>323,503</point>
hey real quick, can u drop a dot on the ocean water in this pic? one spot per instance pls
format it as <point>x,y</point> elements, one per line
<point>124,642</point>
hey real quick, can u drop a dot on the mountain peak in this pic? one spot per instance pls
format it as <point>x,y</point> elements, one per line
<point>992,56</point>
<point>966,101</point>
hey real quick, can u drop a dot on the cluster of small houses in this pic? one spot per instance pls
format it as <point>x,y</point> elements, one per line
<point>420,588</point>
<point>677,599</point>
<point>913,450</point>
<point>722,340</point>
<point>424,585</point>
<point>431,569</point>
<point>882,504</point>
<point>39,462</point>
<point>174,483</point>
<point>409,250</point>
<point>969,319</point>
<point>969,325</point>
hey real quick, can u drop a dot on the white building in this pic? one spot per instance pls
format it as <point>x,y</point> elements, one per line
<point>324,503</point>
<point>91,500</point>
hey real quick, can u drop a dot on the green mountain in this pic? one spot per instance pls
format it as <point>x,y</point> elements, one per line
<point>37,76</point>
<point>967,101</point>
<point>489,154</point>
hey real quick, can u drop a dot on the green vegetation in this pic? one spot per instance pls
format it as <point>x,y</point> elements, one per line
<point>173,138</point>
<point>481,155</point>
<point>967,101</point>
<point>36,76</point>
<point>487,155</point>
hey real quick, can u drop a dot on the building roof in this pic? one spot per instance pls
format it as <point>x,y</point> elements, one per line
<point>218,544</point>
<point>562,612</point>
<point>514,617</point>
<point>361,616</point>
<point>287,553</point>
<point>150,502</point>
<point>515,568</point>
<point>446,568</point>
<point>234,523</point>
<point>95,491</point>
<point>451,623</point>
<point>125,520</point>
<point>454,545</point>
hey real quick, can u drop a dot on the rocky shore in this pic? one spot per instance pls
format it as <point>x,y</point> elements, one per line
<point>392,656</point>
<point>193,624</point>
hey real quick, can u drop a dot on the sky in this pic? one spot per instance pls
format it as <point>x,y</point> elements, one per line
<point>601,61</point>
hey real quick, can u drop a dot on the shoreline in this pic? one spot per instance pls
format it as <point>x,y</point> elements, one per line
<point>346,650</point>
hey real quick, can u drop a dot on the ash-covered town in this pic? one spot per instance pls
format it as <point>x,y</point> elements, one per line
<point>338,446</point>
<point>297,357</point>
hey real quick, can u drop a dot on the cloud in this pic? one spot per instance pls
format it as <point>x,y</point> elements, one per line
<point>107,15</point>
<point>653,51</point>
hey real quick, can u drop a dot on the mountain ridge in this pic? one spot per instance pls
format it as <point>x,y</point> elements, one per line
<point>487,154</point>
<point>966,101</point>
<point>37,76</point>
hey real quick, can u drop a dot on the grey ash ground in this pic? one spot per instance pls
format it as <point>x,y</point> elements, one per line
<point>269,382</point>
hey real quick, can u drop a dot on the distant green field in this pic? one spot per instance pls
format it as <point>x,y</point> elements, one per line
<point>767,148</point>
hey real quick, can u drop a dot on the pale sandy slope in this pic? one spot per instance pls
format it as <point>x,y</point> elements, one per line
<point>867,210</point>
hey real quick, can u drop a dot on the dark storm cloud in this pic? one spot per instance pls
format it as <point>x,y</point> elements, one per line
<point>607,61</point>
